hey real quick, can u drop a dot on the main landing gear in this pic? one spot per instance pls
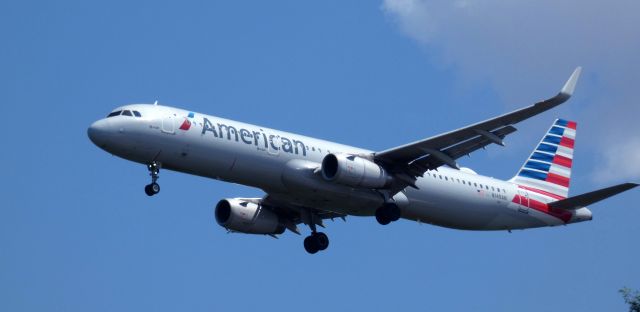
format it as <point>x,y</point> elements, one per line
<point>153,188</point>
<point>317,241</point>
<point>388,213</point>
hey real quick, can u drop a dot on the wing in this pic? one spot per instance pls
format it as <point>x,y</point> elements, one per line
<point>413,159</point>
<point>584,200</point>
<point>292,214</point>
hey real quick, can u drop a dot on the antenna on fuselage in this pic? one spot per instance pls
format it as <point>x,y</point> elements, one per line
<point>155,103</point>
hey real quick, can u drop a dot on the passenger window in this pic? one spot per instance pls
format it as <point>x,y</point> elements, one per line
<point>475,184</point>
<point>116,113</point>
<point>446,179</point>
<point>137,114</point>
<point>493,189</point>
<point>126,113</point>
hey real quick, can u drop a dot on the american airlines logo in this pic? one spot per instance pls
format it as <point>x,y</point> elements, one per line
<point>186,124</point>
<point>253,137</point>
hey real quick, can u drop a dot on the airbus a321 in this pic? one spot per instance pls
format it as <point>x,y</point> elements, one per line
<point>308,180</point>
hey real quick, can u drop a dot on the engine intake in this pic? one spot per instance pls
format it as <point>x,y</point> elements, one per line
<point>354,171</point>
<point>244,216</point>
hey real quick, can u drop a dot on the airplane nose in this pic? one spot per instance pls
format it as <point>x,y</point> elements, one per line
<point>98,132</point>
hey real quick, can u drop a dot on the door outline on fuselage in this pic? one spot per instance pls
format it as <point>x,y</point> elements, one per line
<point>524,201</point>
<point>168,124</point>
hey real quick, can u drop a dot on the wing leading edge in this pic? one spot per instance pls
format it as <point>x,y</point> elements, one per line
<point>415,158</point>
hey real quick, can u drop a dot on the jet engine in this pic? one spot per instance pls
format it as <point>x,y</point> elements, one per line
<point>247,216</point>
<point>354,171</point>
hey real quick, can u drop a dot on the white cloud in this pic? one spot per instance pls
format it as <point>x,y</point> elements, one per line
<point>518,46</point>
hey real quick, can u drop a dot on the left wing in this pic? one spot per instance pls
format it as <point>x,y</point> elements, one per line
<point>584,200</point>
<point>413,159</point>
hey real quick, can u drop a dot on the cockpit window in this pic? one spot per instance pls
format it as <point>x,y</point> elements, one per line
<point>116,113</point>
<point>126,113</point>
<point>137,114</point>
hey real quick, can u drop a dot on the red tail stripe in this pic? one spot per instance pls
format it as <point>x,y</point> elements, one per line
<point>572,125</point>
<point>557,179</point>
<point>562,161</point>
<point>567,142</point>
<point>561,214</point>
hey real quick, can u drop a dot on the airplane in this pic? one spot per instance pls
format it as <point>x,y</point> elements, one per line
<point>308,180</point>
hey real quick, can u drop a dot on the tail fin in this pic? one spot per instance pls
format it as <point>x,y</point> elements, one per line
<point>548,169</point>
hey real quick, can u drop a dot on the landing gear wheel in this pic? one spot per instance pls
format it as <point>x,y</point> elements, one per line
<point>147,190</point>
<point>155,187</point>
<point>388,213</point>
<point>394,212</point>
<point>322,241</point>
<point>316,242</point>
<point>310,245</point>
<point>382,215</point>
<point>152,189</point>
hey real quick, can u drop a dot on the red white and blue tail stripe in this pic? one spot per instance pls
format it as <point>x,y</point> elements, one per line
<point>548,169</point>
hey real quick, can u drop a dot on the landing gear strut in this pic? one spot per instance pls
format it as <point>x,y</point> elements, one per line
<point>153,188</point>
<point>388,213</point>
<point>317,241</point>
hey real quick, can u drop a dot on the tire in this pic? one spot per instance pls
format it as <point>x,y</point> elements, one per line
<point>154,187</point>
<point>394,212</point>
<point>322,241</point>
<point>382,216</point>
<point>148,190</point>
<point>310,244</point>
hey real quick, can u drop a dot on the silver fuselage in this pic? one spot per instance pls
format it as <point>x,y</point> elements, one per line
<point>284,165</point>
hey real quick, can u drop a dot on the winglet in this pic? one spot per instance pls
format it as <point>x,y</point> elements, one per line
<point>570,85</point>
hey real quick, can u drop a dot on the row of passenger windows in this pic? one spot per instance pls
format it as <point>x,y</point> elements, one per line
<point>464,182</point>
<point>125,113</point>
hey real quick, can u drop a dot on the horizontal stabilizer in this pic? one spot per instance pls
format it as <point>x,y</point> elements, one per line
<point>580,201</point>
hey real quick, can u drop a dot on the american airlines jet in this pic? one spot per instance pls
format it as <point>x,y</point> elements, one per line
<point>307,180</point>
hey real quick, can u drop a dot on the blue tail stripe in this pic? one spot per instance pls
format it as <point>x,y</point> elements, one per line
<point>552,139</point>
<point>533,174</point>
<point>542,157</point>
<point>547,148</point>
<point>562,122</point>
<point>537,165</point>
<point>556,130</point>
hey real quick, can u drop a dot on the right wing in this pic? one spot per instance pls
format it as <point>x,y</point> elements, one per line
<point>413,159</point>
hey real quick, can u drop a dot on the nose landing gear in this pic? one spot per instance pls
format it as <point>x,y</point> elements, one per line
<point>153,188</point>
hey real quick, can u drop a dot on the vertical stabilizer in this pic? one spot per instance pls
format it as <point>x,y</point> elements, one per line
<point>548,169</point>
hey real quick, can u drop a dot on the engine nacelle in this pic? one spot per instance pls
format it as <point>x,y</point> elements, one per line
<point>244,216</point>
<point>354,171</point>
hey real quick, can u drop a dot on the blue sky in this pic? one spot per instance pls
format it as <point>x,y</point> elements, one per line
<point>78,233</point>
